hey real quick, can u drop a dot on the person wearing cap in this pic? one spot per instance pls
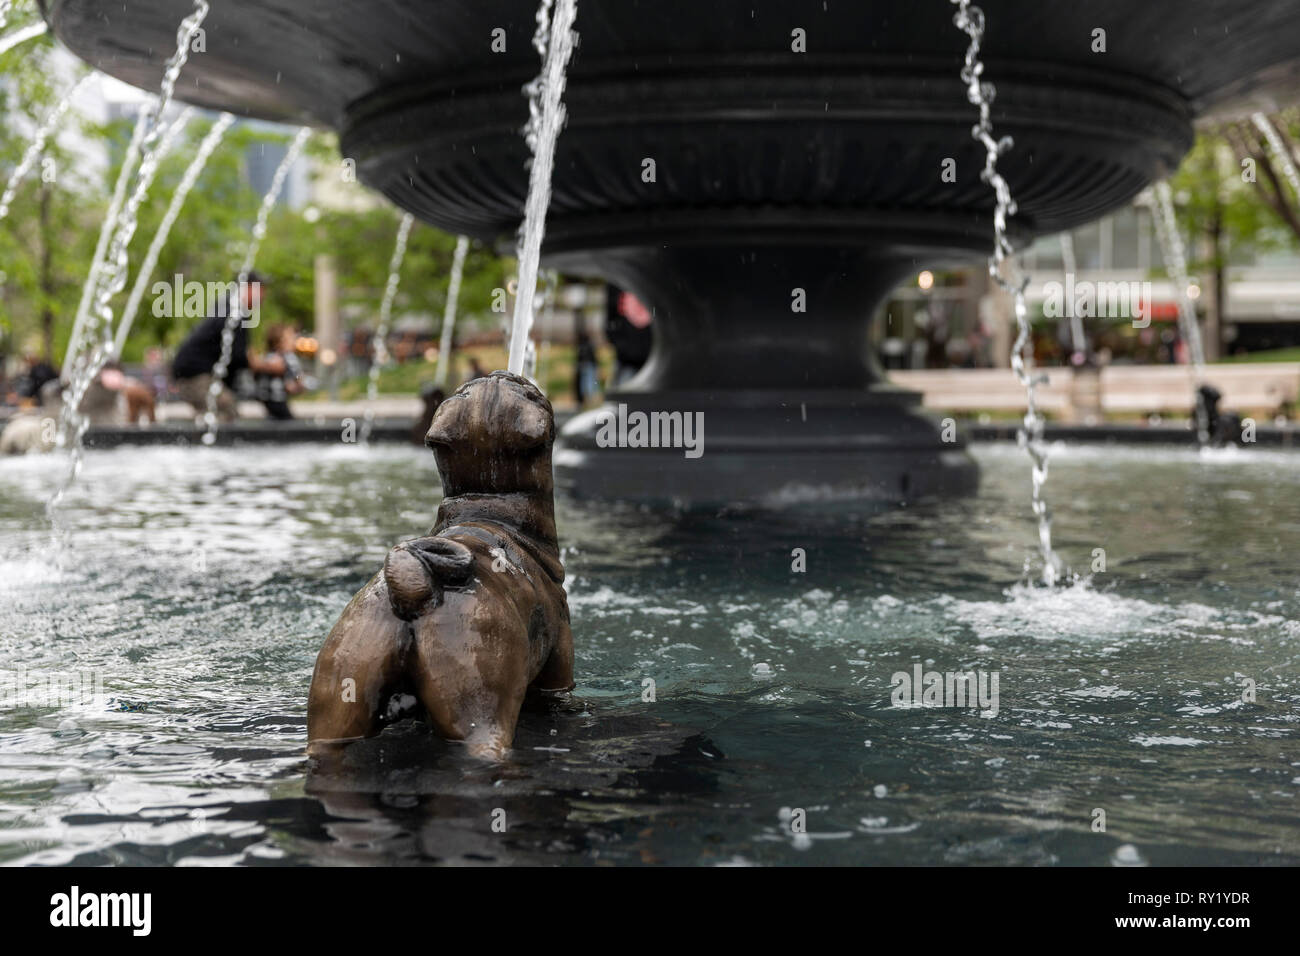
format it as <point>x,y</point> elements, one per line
<point>201,350</point>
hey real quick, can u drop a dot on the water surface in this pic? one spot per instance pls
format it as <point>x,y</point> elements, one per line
<point>200,584</point>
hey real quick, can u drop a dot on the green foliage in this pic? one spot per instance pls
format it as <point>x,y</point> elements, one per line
<point>50,230</point>
<point>1212,195</point>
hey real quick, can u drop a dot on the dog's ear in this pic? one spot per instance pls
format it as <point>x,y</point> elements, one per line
<point>448,424</point>
<point>530,428</point>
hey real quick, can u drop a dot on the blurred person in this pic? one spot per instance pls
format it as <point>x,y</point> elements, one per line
<point>137,397</point>
<point>475,369</point>
<point>359,352</point>
<point>36,373</point>
<point>432,396</point>
<point>585,381</point>
<point>627,330</point>
<point>274,388</point>
<point>194,361</point>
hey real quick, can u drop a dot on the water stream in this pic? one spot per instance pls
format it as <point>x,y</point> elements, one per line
<point>1175,259</point>
<point>380,358</point>
<point>554,41</point>
<point>106,233</point>
<point>37,145</point>
<point>79,357</point>
<point>1002,269</point>
<point>192,173</point>
<point>21,36</point>
<point>1078,341</point>
<point>111,278</point>
<point>1279,150</point>
<point>449,311</point>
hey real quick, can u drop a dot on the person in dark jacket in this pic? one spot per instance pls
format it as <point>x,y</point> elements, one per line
<point>199,353</point>
<point>27,387</point>
<point>628,331</point>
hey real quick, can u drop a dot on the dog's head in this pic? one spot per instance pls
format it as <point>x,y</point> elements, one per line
<point>493,435</point>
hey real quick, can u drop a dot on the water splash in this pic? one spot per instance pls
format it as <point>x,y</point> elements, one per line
<point>111,279</point>
<point>1278,149</point>
<point>150,262</point>
<point>21,36</point>
<point>381,331</point>
<point>37,145</point>
<point>235,311</point>
<point>554,40</point>
<point>1175,259</point>
<point>970,20</point>
<point>449,311</point>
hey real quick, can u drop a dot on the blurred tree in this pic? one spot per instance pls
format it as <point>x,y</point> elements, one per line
<point>50,230</point>
<point>1249,142</point>
<point>1232,213</point>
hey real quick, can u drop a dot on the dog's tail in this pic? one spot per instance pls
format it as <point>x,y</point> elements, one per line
<point>416,572</point>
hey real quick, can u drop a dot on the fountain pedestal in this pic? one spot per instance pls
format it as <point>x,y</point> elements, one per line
<point>769,340</point>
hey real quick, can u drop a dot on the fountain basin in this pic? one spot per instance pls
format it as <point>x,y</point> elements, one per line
<point>202,592</point>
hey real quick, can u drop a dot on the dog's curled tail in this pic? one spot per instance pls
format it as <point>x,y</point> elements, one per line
<point>416,572</point>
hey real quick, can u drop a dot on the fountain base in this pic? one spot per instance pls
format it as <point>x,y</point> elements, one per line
<point>766,339</point>
<point>765,447</point>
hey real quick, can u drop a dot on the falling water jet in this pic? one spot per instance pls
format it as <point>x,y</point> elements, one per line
<point>1278,149</point>
<point>1175,259</point>
<point>970,20</point>
<point>449,311</point>
<point>37,145</point>
<point>110,280</point>
<point>235,312</point>
<point>21,36</point>
<point>76,357</point>
<point>191,176</point>
<point>1077,338</point>
<point>381,331</point>
<point>554,40</point>
<point>106,233</point>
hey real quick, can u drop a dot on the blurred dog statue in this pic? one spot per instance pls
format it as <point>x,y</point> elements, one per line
<point>470,618</point>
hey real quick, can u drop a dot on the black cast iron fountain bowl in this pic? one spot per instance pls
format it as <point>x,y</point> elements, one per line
<point>775,170</point>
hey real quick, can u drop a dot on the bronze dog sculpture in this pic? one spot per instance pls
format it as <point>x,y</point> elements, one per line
<point>473,616</point>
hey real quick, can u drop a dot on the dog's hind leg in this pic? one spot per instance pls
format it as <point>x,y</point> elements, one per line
<point>557,673</point>
<point>471,688</point>
<point>357,668</point>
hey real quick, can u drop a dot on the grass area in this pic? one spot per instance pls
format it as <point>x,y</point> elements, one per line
<point>1271,355</point>
<point>554,365</point>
